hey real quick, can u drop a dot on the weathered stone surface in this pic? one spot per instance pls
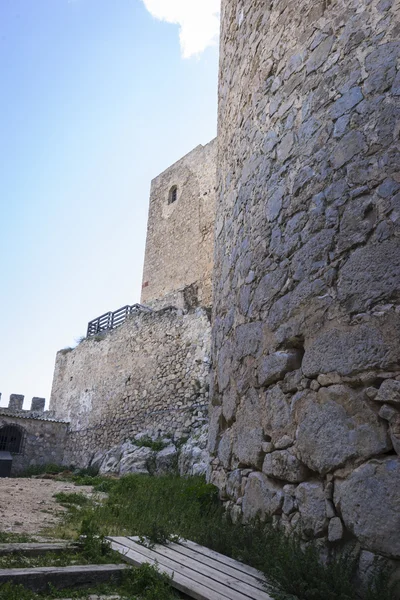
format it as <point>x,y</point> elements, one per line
<point>308,213</point>
<point>276,415</point>
<point>179,244</point>
<point>353,349</point>
<point>336,425</point>
<point>311,502</point>
<point>194,457</point>
<point>167,460</point>
<point>111,461</point>
<point>335,530</point>
<point>285,466</point>
<point>262,497</point>
<point>389,392</point>
<point>136,461</point>
<point>369,504</point>
<point>371,273</point>
<point>234,484</point>
<point>248,435</point>
<point>395,432</point>
<point>150,374</point>
<point>274,366</point>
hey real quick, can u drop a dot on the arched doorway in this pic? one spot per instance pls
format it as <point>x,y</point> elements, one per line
<point>11,439</point>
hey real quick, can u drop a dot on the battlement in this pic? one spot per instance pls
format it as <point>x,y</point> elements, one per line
<point>16,402</point>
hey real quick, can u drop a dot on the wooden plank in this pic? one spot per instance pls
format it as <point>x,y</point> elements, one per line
<point>38,579</point>
<point>232,580</point>
<point>202,559</point>
<point>36,549</point>
<point>232,588</point>
<point>226,560</point>
<point>181,582</point>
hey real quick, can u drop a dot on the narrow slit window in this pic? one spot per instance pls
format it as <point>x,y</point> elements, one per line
<point>173,194</point>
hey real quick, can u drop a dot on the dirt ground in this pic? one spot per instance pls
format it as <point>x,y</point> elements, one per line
<point>27,505</point>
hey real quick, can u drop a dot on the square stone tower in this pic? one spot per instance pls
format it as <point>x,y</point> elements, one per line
<point>179,248</point>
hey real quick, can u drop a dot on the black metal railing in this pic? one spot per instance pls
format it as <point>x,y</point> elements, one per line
<point>111,320</point>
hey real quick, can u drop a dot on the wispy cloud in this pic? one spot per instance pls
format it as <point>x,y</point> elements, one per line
<point>198,21</point>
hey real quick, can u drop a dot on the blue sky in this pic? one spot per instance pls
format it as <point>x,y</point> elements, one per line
<point>96,99</point>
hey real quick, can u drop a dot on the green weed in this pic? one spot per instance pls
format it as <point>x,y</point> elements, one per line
<point>158,508</point>
<point>71,498</point>
<point>147,442</point>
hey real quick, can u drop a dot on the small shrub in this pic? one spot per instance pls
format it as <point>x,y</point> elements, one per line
<point>9,591</point>
<point>93,544</point>
<point>66,350</point>
<point>99,337</point>
<point>49,469</point>
<point>71,498</point>
<point>147,442</point>
<point>148,583</point>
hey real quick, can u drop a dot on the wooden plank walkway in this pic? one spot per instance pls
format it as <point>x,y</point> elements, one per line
<point>197,571</point>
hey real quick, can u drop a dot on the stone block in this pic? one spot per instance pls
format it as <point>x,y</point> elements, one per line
<point>349,350</point>
<point>276,417</point>
<point>248,437</point>
<point>370,274</point>
<point>336,425</point>
<point>274,367</point>
<point>335,530</point>
<point>389,392</point>
<point>368,500</point>
<point>262,497</point>
<point>38,404</point>
<point>16,402</point>
<point>310,498</point>
<point>285,466</point>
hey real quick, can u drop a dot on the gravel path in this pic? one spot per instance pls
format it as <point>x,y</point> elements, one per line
<point>27,505</point>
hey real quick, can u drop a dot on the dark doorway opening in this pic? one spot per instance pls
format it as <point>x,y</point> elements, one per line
<point>10,439</point>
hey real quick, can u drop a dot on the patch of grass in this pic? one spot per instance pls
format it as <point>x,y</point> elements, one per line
<point>71,498</point>
<point>15,538</point>
<point>157,508</point>
<point>147,442</point>
<point>147,583</point>
<point>48,469</point>
<point>50,559</point>
<point>66,350</point>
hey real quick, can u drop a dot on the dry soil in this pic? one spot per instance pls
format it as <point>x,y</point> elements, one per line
<point>27,505</point>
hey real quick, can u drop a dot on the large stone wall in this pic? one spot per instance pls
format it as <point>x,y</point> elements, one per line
<point>179,245</point>
<point>305,421</point>
<point>148,375</point>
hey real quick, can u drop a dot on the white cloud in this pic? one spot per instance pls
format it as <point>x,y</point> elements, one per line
<point>198,21</point>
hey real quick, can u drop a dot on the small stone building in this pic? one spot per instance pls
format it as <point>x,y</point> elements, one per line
<point>33,437</point>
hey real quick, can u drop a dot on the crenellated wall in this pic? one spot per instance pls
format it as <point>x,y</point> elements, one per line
<point>305,415</point>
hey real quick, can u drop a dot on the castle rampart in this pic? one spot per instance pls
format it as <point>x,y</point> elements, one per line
<point>305,422</point>
<point>148,375</point>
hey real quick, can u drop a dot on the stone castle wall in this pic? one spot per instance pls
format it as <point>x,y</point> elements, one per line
<point>179,245</point>
<point>150,374</point>
<point>305,415</point>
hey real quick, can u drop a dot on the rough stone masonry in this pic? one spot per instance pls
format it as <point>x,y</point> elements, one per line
<point>148,375</point>
<point>305,415</point>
